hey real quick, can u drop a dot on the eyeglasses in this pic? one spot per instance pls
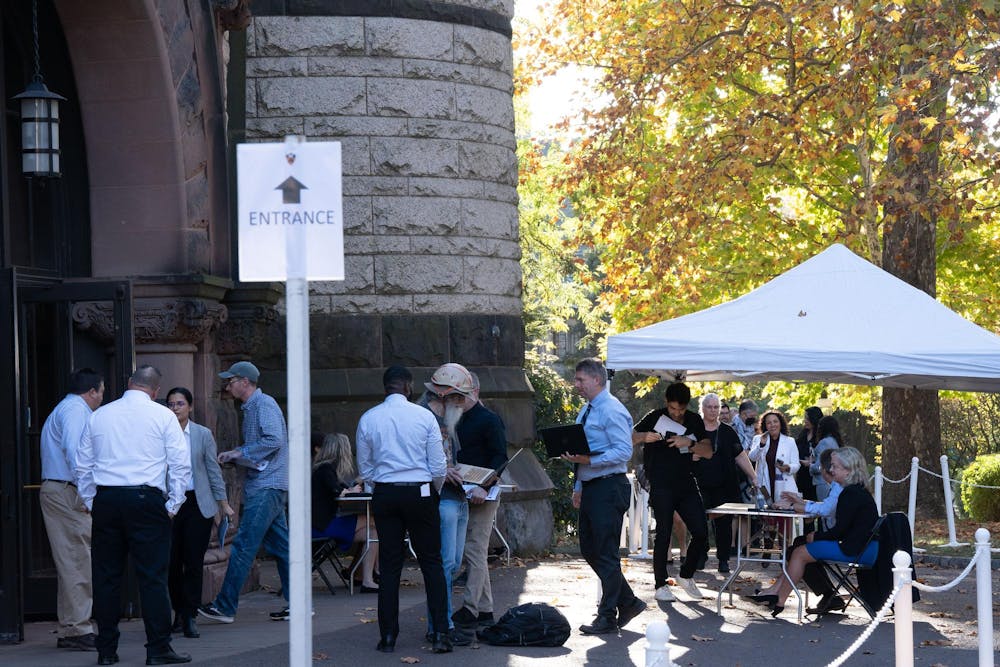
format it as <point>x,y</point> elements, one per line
<point>176,404</point>
<point>232,380</point>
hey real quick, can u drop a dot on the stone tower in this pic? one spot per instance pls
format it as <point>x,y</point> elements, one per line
<point>420,96</point>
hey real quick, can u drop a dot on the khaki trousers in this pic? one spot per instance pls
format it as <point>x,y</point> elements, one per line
<point>478,597</point>
<point>68,527</point>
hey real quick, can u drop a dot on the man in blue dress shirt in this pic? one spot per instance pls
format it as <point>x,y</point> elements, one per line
<point>602,494</point>
<point>67,521</point>
<point>400,451</point>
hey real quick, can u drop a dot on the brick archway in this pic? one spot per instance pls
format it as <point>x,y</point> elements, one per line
<point>140,68</point>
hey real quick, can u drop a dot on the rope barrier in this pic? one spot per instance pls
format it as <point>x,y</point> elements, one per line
<point>879,617</point>
<point>934,474</point>
<point>956,481</point>
<point>948,587</point>
<point>896,481</point>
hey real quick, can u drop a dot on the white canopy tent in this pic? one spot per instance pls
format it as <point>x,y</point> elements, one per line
<point>835,318</point>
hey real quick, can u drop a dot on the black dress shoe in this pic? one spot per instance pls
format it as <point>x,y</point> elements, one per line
<point>829,603</point>
<point>168,658</point>
<point>764,599</point>
<point>387,644</point>
<point>626,614</point>
<point>190,628</point>
<point>441,643</point>
<point>602,625</point>
<point>109,659</point>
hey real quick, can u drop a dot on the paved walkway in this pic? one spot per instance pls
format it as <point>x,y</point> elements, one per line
<point>345,631</point>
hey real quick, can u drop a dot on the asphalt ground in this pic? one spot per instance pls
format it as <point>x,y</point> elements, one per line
<point>345,630</point>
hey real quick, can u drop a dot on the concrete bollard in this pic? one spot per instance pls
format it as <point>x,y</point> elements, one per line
<point>658,645</point>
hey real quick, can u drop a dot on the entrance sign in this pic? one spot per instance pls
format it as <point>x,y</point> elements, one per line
<point>290,194</point>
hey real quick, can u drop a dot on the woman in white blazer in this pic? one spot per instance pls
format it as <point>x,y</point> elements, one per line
<point>192,527</point>
<point>775,455</point>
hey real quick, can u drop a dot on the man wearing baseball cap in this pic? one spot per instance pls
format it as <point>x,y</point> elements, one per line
<point>265,492</point>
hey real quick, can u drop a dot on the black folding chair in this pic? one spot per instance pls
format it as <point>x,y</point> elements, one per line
<point>325,550</point>
<point>840,572</point>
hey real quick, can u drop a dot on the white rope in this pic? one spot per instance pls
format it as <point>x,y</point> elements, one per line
<point>956,481</point>
<point>879,617</point>
<point>897,481</point>
<point>948,587</point>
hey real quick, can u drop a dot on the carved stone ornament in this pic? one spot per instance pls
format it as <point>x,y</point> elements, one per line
<point>245,329</point>
<point>181,321</point>
<point>232,14</point>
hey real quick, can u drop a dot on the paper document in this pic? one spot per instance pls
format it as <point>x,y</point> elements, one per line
<point>666,425</point>
<point>247,463</point>
<point>492,494</point>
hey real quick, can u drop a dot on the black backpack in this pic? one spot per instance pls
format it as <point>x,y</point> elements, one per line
<point>532,624</point>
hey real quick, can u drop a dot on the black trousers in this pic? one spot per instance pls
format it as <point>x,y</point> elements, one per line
<point>722,525</point>
<point>686,501</point>
<point>603,504</point>
<point>131,521</point>
<point>189,540</point>
<point>398,510</point>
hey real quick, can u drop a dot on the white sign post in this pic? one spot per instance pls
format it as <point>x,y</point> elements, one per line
<point>291,229</point>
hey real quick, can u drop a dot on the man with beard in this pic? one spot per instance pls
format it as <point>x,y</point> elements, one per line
<point>450,388</point>
<point>482,441</point>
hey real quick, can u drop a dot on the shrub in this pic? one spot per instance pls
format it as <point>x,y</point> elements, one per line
<point>555,403</point>
<point>982,504</point>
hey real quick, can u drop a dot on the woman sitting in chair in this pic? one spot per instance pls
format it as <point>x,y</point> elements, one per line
<point>333,475</point>
<point>846,541</point>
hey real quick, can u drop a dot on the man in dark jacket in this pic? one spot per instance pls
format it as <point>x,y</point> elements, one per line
<point>482,441</point>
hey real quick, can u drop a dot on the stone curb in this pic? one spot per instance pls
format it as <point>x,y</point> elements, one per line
<point>951,561</point>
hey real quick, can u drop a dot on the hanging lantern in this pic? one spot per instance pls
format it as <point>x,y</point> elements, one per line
<point>39,130</point>
<point>39,119</point>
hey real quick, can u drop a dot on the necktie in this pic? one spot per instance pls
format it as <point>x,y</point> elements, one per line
<point>583,421</point>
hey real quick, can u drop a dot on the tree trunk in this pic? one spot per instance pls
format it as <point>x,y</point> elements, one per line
<point>911,419</point>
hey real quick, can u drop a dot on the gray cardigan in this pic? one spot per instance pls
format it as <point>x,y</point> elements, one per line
<point>209,488</point>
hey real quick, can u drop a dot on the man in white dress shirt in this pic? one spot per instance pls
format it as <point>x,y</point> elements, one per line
<point>67,521</point>
<point>133,466</point>
<point>400,451</point>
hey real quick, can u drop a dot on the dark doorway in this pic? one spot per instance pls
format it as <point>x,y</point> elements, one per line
<point>42,342</point>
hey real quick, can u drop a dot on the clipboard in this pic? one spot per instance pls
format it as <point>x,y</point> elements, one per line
<point>568,438</point>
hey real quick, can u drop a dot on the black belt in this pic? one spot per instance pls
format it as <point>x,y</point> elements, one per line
<point>400,483</point>
<point>608,476</point>
<point>140,487</point>
<point>61,481</point>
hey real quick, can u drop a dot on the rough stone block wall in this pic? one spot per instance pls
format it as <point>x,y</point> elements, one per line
<point>424,112</point>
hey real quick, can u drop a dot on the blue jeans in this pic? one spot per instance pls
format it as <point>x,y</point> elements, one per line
<point>454,521</point>
<point>263,521</point>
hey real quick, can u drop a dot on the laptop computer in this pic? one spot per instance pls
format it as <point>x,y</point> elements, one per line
<point>561,439</point>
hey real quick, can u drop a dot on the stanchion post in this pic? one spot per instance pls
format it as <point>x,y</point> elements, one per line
<point>658,645</point>
<point>644,501</point>
<point>984,598</point>
<point>904,608</point>
<point>879,481</point>
<point>949,504</point>
<point>911,512</point>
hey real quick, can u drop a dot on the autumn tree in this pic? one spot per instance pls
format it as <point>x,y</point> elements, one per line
<point>732,140</point>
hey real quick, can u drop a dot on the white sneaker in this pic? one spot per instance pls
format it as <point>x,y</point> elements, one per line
<point>691,588</point>
<point>664,594</point>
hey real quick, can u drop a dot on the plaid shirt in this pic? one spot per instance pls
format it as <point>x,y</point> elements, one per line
<point>265,438</point>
